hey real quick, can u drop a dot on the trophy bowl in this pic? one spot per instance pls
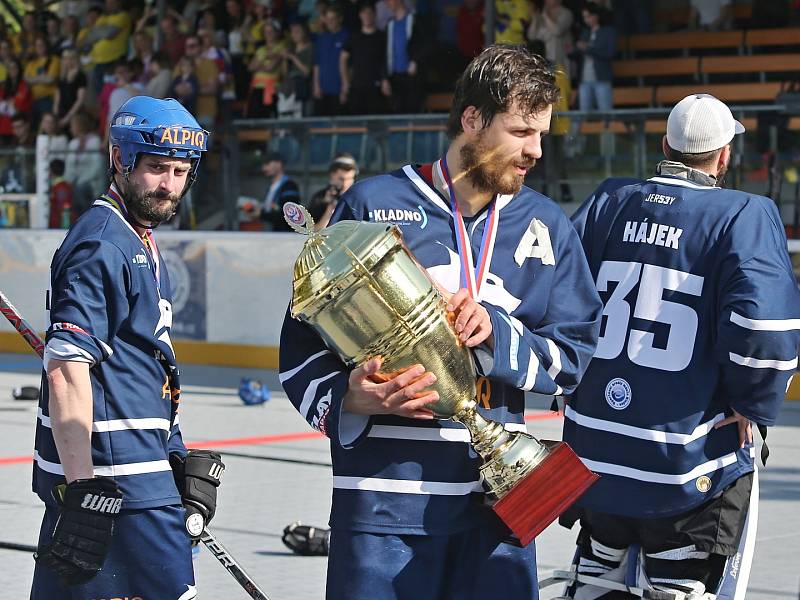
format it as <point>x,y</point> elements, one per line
<point>361,289</point>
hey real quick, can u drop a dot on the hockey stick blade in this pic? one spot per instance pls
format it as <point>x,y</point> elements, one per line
<point>218,550</point>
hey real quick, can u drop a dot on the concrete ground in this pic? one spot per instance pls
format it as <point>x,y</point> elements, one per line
<point>283,475</point>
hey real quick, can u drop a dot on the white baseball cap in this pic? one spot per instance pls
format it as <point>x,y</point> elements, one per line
<point>701,123</point>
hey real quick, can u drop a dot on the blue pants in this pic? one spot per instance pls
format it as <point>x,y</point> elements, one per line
<point>472,565</point>
<point>595,95</point>
<point>150,557</point>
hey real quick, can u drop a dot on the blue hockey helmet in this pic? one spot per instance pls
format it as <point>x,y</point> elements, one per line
<point>253,392</point>
<point>145,125</point>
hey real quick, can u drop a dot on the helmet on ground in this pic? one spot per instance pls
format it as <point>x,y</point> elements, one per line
<point>252,391</point>
<point>145,125</point>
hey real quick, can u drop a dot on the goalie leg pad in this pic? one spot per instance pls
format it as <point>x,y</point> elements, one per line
<point>736,573</point>
<point>686,570</point>
<point>595,559</point>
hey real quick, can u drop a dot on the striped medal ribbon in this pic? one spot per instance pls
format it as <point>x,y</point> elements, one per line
<point>473,274</point>
<point>114,199</point>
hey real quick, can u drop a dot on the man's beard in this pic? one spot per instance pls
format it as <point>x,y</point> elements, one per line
<point>489,172</point>
<point>144,205</point>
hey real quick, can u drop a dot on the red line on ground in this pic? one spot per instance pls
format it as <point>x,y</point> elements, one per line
<point>262,439</point>
<point>13,460</point>
<point>544,416</point>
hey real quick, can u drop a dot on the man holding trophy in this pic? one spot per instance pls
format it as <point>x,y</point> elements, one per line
<point>377,357</point>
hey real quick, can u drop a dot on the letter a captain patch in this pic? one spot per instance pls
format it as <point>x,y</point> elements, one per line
<point>535,243</point>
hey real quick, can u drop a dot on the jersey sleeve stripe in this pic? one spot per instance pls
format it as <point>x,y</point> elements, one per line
<point>406,486</point>
<point>765,324</point>
<point>430,434</point>
<point>555,356</point>
<point>152,466</point>
<point>533,369</point>
<point>118,424</point>
<point>291,373</point>
<point>652,477</point>
<point>57,349</point>
<point>760,363</point>
<point>513,344</point>
<point>311,393</point>
<point>654,435</point>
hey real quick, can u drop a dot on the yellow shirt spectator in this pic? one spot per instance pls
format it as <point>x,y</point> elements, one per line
<point>107,50</point>
<point>560,124</point>
<point>207,74</point>
<point>511,21</point>
<point>254,38</point>
<point>268,60</point>
<point>42,67</point>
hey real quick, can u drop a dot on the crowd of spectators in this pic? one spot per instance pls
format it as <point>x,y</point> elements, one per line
<point>261,58</point>
<point>264,58</point>
<point>72,64</point>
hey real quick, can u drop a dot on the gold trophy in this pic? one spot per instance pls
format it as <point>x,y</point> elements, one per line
<point>360,288</point>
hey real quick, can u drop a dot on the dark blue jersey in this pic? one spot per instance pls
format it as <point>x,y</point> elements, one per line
<point>398,475</point>
<point>111,308</point>
<point>702,316</point>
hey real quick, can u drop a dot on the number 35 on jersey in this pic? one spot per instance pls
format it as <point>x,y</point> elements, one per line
<point>648,304</point>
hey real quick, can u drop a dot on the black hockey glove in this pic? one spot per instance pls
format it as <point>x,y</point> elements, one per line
<point>83,532</point>
<point>197,476</point>
<point>306,540</point>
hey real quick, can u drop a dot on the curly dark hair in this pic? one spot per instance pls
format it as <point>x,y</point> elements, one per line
<point>498,77</point>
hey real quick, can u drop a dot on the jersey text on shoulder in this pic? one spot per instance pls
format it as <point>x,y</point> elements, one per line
<point>651,233</point>
<point>660,199</point>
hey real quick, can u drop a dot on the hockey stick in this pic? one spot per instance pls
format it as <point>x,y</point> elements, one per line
<point>14,546</point>
<point>227,561</point>
<point>21,325</point>
<point>218,550</point>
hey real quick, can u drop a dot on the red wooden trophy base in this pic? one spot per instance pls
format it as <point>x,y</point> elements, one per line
<point>544,493</point>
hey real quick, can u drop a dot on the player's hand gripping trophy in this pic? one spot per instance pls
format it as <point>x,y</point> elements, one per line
<point>360,288</point>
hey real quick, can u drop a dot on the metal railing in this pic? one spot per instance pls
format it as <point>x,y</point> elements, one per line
<point>586,148</point>
<point>596,145</point>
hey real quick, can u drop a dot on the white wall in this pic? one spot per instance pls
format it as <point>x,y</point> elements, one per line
<point>227,287</point>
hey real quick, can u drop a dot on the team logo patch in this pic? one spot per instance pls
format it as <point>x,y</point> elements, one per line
<point>618,393</point>
<point>703,484</point>
<point>400,216</point>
